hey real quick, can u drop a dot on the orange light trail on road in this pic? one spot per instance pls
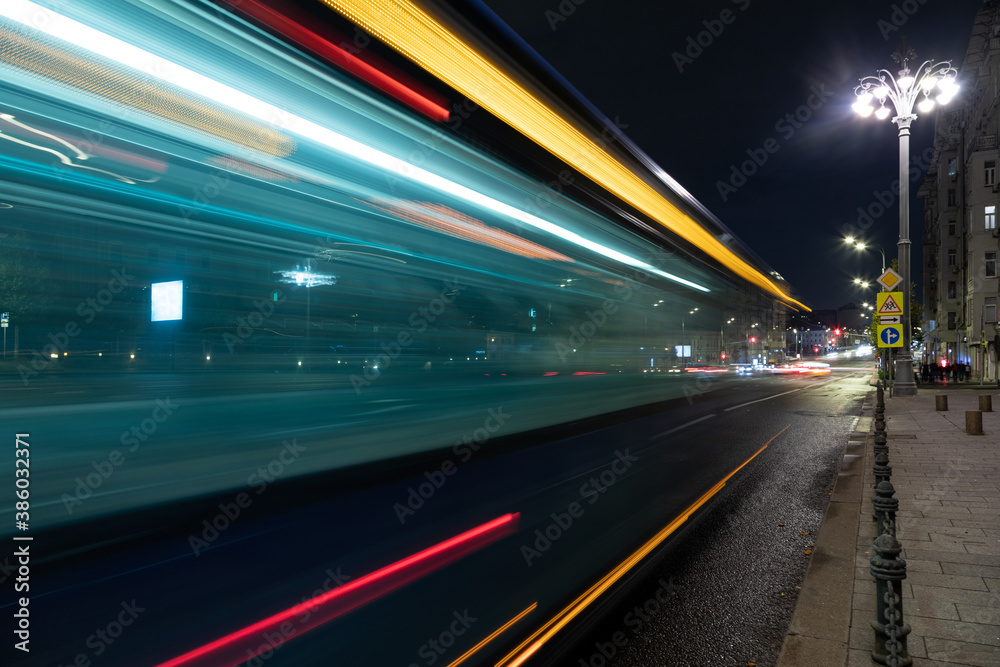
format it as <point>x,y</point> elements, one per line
<point>496,633</point>
<point>532,644</point>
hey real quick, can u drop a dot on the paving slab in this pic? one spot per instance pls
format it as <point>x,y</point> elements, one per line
<point>948,487</point>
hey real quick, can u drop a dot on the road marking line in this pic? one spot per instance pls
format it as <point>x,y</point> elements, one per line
<point>768,398</point>
<point>682,426</point>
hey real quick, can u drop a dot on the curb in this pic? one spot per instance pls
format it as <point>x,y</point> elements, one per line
<point>819,632</point>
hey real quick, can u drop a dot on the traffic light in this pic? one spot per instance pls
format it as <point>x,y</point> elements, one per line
<point>753,339</point>
<point>723,355</point>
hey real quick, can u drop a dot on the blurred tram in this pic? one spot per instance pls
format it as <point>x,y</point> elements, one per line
<point>302,234</point>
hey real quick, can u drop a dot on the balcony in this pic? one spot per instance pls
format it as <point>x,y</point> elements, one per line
<point>983,142</point>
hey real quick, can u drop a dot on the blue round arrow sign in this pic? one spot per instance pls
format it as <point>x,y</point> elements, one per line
<point>889,335</point>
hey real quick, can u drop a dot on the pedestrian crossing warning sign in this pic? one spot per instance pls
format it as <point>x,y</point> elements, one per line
<point>887,303</point>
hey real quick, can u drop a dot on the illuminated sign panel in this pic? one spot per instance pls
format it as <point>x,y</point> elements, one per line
<point>167,301</point>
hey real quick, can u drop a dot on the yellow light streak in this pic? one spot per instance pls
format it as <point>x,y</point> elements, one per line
<point>418,36</point>
<point>532,644</point>
<point>496,633</point>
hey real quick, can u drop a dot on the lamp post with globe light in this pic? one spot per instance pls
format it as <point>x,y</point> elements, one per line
<point>902,91</point>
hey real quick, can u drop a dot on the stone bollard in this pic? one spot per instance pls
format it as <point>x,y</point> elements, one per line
<point>941,402</point>
<point>886,507</point>
<point>973,422</point>
<point>985,403</point>
<point>890,631</point>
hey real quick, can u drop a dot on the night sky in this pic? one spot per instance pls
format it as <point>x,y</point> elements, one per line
<point>699,114</point>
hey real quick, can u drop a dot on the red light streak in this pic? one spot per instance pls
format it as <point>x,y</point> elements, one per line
<point>321,46</point>
<point>238,647</point>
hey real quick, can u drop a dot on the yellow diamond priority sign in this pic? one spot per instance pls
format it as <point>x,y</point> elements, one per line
<point>889,279</point>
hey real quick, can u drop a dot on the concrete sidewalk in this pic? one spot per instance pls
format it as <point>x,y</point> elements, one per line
<point>948,487</point>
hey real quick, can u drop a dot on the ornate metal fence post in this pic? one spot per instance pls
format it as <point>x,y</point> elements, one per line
<point>886,507</point>
<point>890,631</point>
<point>881,469</point>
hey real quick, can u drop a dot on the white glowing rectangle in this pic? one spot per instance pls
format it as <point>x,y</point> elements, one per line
<point>167,301</point>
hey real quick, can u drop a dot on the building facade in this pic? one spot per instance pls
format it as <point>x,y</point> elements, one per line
<point>961,194</point>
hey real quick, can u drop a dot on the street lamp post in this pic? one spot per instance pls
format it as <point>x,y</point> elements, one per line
<point>902,91</point>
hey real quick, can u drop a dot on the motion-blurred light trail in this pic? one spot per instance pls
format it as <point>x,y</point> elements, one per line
<point>290,29</point>
<point>418,36</point>
<point>493,635</point>
<point>532,644</point>
<point>85,37</point>
<point>239,646</point>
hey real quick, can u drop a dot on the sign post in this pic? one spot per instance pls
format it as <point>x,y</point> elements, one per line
<point>5,322</point>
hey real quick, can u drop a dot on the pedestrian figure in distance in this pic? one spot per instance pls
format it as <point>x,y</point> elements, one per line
<point>961,372</point>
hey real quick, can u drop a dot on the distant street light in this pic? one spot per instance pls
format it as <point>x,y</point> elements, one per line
<point>861,245</point>
<point>307,278</point>
<point>902,91</point>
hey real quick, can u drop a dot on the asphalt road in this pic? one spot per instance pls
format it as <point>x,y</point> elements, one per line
<point>626,476</point>
<point>723,591</point>
<point>118,442</point>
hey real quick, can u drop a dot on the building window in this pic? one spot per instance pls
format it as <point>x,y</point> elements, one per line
<point>951,257</point>
<point>951,319</point>
<point>991,217</point>
<point>952,166</point>
<point>991,265</point>
<point>951,197</point>
<point>951,228</point>
<point>990,172</point>
<point>952,289</point>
